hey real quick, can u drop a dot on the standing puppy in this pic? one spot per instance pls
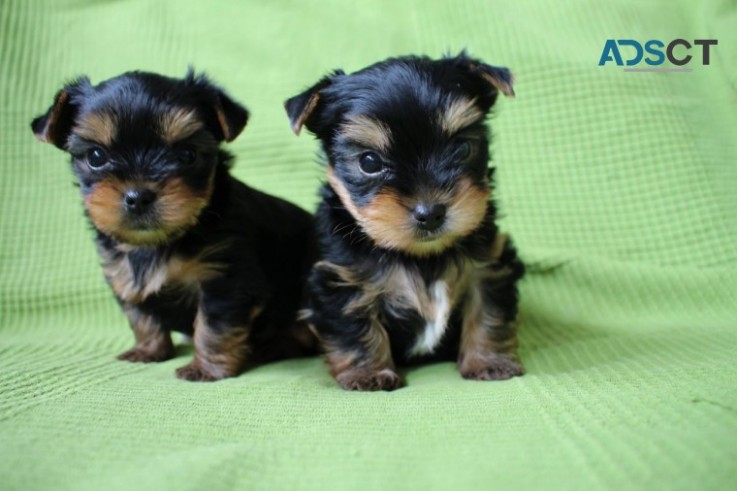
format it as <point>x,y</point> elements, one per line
<point>184,246</point>
<point>413,266</point>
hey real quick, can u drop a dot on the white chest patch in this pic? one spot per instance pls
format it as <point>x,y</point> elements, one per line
<point>437,319</point>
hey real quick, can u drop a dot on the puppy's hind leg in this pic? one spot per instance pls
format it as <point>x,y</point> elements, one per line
<point>222,328</point>
<point>220,351</point>
<point>488,348</point>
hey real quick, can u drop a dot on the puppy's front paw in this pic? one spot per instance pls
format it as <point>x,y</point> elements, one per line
<point>495,367</point>
<point>366,380</point>
<point>140,355</point>
<point>195,372</point>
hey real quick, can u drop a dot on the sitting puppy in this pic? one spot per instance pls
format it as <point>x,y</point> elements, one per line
<point>185,246</point>
<point>413,266</point>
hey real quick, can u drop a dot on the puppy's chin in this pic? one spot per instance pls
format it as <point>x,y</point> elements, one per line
<point>137,236</point>
<point>403,236</point>
<point>143,238</point>
<point>430,246</point>
<point>388,221</point>
<point>150,236</point>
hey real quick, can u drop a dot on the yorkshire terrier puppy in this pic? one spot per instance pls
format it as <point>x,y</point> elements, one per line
<point>413,267</point>
<point>184,246</point>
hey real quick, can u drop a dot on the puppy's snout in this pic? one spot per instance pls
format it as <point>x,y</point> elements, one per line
<point>138,201</point>
<point>429,216</point>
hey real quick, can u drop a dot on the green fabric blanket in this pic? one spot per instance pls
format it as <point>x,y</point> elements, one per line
<point>619,189</point>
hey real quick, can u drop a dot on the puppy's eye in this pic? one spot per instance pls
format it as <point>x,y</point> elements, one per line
<point>370,163</point>
<point>464,150</point>
<point>186,156</point>
<point>97,158</point>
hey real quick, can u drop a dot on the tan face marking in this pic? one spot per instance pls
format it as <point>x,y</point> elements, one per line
<point>387,219</point>
<point>177,208</point>
<point>459,114</point>
<point>98,127</point>
<point>367,132</point>
<point>103,205</point>
<point>467,207</point>
<point>178,125</point>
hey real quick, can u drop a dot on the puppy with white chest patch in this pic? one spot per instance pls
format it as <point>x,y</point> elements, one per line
<point>413,266</point>
<point>184,245</point>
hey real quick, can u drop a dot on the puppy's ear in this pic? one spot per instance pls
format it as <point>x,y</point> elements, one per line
<point>224,117</point>
<point>231,116</point>
<point>55,126</point>
<point>498,77</point>
<point>301,107</point>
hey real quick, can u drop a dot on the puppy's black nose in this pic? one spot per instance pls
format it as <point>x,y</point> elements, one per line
<point>429,217</point>
<point>138,201</point>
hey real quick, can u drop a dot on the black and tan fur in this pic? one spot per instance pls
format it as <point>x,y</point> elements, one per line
<point>413,267</point>
<point>184,246</point>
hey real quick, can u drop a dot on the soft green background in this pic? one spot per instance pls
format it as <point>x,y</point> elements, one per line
<point>619,188</point>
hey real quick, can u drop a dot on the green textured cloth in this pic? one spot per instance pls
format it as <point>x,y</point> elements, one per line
<point>620,190</point>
